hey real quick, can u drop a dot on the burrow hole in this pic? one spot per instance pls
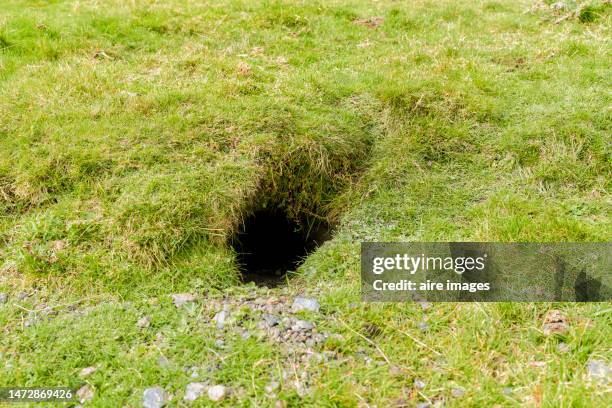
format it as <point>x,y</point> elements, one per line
<point>269,244</point>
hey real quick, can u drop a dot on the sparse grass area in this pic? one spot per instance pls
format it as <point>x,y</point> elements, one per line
<point>135,137</point>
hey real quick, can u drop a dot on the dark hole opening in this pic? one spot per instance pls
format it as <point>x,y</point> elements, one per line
<point>270,244</point>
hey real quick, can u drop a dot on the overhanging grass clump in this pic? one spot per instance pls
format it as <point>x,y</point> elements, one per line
<point>296,204</point>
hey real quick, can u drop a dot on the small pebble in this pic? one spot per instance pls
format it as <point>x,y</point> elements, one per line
<point>396,371</point>
<point>32,319</point>
<point>85,393</point>
<point>220,319</point>
<point>180,299</point>
<point>563,348</point>
<point>458,392</point>
<point>299,388</point>
<point>48,311</point>
<point>155,397</point>
<point>3,298</point>
<point>194,372</point>
<point>194,391</point>
<point>423,326</point>
<point>555,322</point>
<point>302,325</point>
<point>598,370</point>
<point>271,387</point>
<point>144,322</point>
<point>419,384</point>
<point>559,5</point>
<point>302,303</point>
<point>245,334</point>
<point>271,320</point>
<point>87,371</point>
<point>163,362</point>
<point>217,393</point>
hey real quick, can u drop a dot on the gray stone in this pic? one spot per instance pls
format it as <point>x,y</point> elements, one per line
<point>555,328</point>
<point>48,311</point>
<point>181,299</point>
<point>194,372</point>
<point>598,370</point>
<point>300,389</point>
<point>32,319</point>
<point>302,325</point>
<point>302,303</point>
<point>163,362</point>
<point>419,384</point>
<point>155,397</point>
<point>220,319</point>
<point>423,326</point>
<point>22,295</point>
<point>458,392</point>
<point>87,371</point>
<point>144,322</point>
<point>563,348</point>
<point>85,393</point>
<point>423,405</point>
<point>271,320</point>
<point>271,387</point>
<point>3,298</point>
<point>194,391</point>
<point>217,393</point>
<point>555,322</point>
<point>559,5</point>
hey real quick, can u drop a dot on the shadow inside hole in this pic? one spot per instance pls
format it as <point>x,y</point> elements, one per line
<point>270,244</point>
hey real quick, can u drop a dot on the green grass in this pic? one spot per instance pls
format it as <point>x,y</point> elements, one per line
<point>135,137</point>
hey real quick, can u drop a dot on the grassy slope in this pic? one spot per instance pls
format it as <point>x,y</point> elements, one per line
<point>136,135</point>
